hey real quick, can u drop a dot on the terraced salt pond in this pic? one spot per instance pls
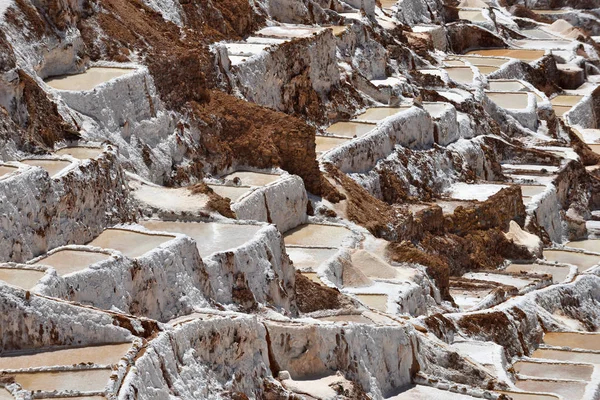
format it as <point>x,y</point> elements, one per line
<point>130,243</point>
<point>7,169</point>
<point>502,279</point>
<point>313,277</point>
<point>252,178</point>
<point>559,274</point>
<point>567,355</point>
<point>109,354</point>
<point>528,396</point>
<point>574,340</point>
<point>565,100</point>
<point>309,258</point>
<point>82,153</point>
<point>466,298</point>
<point>234,193</point>
<point>462,75</point>
<point>356,318</point>
<point>375,301</point>
<point>351,129</point>
<point>583,261</point>
<point>589,245</point>
<point>437,109</point>
<point>569,390</point>
<point>506,86</point>
<point>471,15</point>
<point>289,31</point>
<point>507,100</point>
<point>476,191</point>
<point>23,278</point>
<point>92,380</point>
<point>53,167</point>
<point>520,54</point>
<point>88,80</point>
<point>486,61</point>
<point>68,261</point>
<point>210,237</point>
<point>325,143</point>
<point>373,114</point>
<point>554,370</point>
<point>561,110</point>
<point>315,235</point>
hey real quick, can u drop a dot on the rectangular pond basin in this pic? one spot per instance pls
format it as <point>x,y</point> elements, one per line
<point>210,237</point>
<point>5,395</point>
<point>538,34</point>
<point>566,100</point>
<point>420,392</point>
<point>460,74</point>
<point>233,193</point>
<point>582,261</point>
<point>436,109</point>
<point>466,299</point>
<point>289,31</point>
<point>569,390</point>
<point>532,190</point>
<point>325,143</point>
<point>23,278</point>
<point>109,354</point>
<point>515,101</point>
<point>130,243</point>
<point>82,153</point>
<point>561,110</point>
<point>574,340</point>
<point>454,63</point>
<point>309,258</point>
<point>476,191</point>
<point>502,279</point>
<point>88,80</point>
<point>520,54</point>
<point>471,15</point>
<point>528,396</point>
<point>506,86</point>
<point>373,114</point>
<point>249,178</point>
<point>375,301</point>
<point>589,245</point>
<point>53,167</point>
<point>559,274</point>
<point>567,355</point>
<point>315,235</point>
<point>487,69</point>
<point>93,380</point>
<point>352,129</point>
<point>578,372</point>
<point>486,61</point>
<point>7,169</point>
<point>69,261</point>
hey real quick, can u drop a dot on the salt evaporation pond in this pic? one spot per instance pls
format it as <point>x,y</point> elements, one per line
<point>252,178</point>
<point>589,245</point>
<point>509,100</point>
<point>23,278</point>
<point>559,274</point>
<point>583,261</point>
<point>5,395</point>
<point>109,354</point>
<point>309,259</point>
<point>487,69</point>
<point>82,153</point>
<point>553,370</point>
<point>317,235</point>
<point>538,34</point>
<point>506,86</point>
<point>520,54</point>
<point>7,169</point>
<point>313,277</point>
<point>87,80</point>
<point>352,129</point>
<point>475,191</point>
<point>289,31</point>
<point>429,393</point>
<point>376,114</point>
<point>53,167</point>
<point>567,389</point>
<point>460,74</point>
<point>436,110</point>
<point>69,261</point>
<point>528,396</point>
<point>466,299</point>
<point>502,279</point>
<point>471,15</point>
<point>210,237</point>
<point>566,100</point>
<point>567,355</point>
<point>486,61</point>
<point>325,143</point>
<point>561,110</point>
<point>233,193</point>
<point>532,190</point>
<point>92,380</point>
<point>130,243</point>
<point>375,301</point>
<point>574,340</point>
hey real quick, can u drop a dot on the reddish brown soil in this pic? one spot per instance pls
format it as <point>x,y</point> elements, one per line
<point>215,202</point>
<point>311,296</point>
